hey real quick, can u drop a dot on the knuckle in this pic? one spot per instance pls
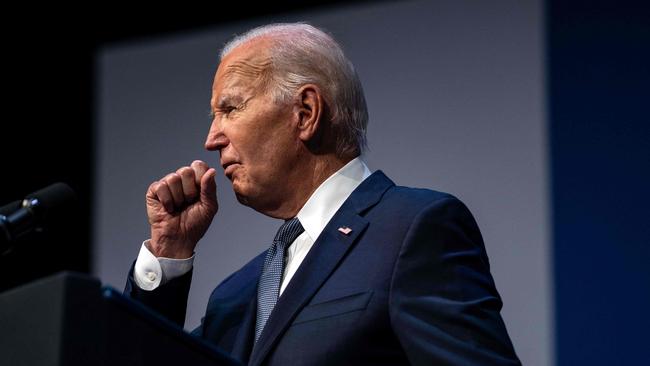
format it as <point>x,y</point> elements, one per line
<point>198,163</point>
<point>199,168</point>
<point>162,191</point>
<point>185,172</point>
<point>153,186</point>
<point>172,178</point>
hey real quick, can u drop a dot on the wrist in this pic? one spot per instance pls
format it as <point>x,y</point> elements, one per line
<point>160,247</point>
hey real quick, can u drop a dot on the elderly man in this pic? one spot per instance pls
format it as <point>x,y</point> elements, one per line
<point>361,272</point>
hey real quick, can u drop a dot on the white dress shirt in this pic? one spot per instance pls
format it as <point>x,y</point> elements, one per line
<point>151,271</point>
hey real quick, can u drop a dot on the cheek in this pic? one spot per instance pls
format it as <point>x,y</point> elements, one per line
<point>257,146</point>
<point>254,154</point>
<point>262,141</point>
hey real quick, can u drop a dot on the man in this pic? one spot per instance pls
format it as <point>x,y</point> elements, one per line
<point>362,272</point>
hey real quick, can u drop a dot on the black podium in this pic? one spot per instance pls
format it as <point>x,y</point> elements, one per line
<point>69,319</point>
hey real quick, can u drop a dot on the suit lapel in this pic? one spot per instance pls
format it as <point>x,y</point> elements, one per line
<point>323,258</point>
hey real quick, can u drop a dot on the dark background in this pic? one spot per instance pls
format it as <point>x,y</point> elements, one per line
<point>597,74</point>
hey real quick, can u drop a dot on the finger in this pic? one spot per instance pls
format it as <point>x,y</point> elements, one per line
<point>209,189</point>
<point>163,195</point>
<point>199,168</point>
<point>175,186</point>
<point>151,191</point>
<point>190,188</point>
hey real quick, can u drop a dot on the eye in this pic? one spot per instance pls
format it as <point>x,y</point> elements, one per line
<point>223,111</point>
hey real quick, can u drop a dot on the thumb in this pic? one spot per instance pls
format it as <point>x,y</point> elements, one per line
<point>209,189</point>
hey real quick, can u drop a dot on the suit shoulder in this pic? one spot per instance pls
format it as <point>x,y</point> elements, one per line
<point>418,197</point>
<point>433,208</point>
<point>406,205</point>
<point>409,199</point>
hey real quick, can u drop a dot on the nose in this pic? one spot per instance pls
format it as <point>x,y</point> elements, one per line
<point>216,139</point>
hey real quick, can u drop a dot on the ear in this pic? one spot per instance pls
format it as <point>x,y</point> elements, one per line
<point>309,110</point>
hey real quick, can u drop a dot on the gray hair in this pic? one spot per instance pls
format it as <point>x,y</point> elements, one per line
<point>302,54</point>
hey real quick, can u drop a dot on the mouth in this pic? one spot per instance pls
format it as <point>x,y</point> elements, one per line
<point>229,169</point>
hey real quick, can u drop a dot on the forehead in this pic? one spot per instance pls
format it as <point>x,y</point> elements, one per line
<point>241,67</point>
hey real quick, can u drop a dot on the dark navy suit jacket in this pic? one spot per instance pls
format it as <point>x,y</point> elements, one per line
<point>410,284</point>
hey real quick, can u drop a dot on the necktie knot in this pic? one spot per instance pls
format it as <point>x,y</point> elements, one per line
<point>269,286</point>
<point>288,232</point>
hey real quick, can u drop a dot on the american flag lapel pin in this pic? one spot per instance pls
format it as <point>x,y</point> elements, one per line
<point>345,230</point>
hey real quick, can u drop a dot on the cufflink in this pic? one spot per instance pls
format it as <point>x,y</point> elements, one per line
<point>151,276</point>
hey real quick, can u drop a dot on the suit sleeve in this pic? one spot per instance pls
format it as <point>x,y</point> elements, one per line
<point>170,299</point>
<point>444,306</point>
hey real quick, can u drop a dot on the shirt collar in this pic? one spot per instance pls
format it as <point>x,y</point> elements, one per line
<point>330,195</point>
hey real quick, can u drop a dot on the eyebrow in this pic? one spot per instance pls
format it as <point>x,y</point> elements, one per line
<point>225,101</point>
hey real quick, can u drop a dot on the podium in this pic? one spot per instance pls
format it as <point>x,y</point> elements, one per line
<point>68,319</point>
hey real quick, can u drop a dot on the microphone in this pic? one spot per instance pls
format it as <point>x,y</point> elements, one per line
<point>33,213</point>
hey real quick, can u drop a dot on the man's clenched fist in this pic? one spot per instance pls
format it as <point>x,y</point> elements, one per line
<point>180,208</point>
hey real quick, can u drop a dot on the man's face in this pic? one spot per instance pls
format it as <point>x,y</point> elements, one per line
<point>253,133</point>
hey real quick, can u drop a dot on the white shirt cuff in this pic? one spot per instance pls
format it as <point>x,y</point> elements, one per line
<point>150,271</point>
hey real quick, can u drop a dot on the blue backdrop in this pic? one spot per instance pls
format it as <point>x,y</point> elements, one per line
<point>598,74</point>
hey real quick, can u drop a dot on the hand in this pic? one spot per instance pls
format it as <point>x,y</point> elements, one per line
<point>180,208</point>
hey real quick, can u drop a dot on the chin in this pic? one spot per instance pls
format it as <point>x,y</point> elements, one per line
<point>245,195</point>
<point>242,199</point>
<point>253,201</point>
<point>240,194</point>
